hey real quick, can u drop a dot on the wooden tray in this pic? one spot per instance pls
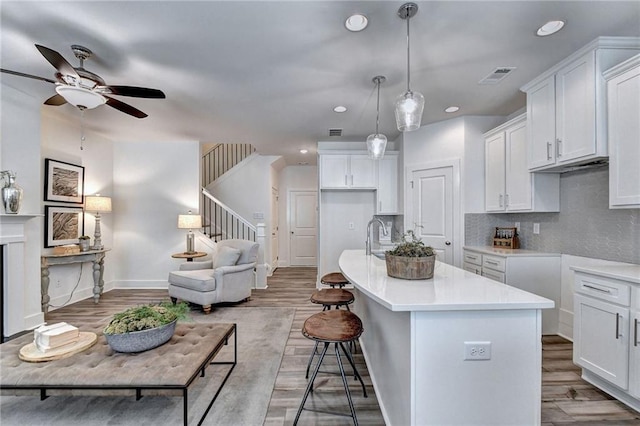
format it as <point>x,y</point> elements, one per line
<point>30,352</point>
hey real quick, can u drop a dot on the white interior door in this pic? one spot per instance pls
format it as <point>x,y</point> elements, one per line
<point>274,228</point>
<point>303,211</point>
<point>432,208</point>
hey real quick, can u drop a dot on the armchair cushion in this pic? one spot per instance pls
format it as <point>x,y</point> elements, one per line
<point>226,256</point>
<point>193,266</point>
<point>199,280</point>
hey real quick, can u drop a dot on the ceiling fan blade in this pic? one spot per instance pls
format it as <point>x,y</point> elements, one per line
<point>136,92</point>
<point>21,74</point>
<point>126,108</point>
<point>56,59</point>
<point>55,100</point>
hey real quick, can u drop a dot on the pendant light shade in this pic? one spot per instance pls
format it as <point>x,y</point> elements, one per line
<point>409,105</point>
<point>377,143</point>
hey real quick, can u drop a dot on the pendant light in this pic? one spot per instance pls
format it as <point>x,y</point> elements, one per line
<point>377,143</point>
<point>409,105</point>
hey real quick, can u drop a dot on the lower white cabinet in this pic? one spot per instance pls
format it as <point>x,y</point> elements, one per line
<point>534,272</point>
<point>605,331</point>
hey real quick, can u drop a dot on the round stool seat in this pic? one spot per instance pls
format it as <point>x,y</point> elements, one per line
<point>332,296</point>
<point>333,326</point>
<point>334,279</point>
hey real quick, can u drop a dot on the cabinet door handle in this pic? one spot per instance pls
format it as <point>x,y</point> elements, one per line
<point>506,200</point>
<point>491,262</point>
<point>601,290</point>
<point>351,180</point>
<point>345,180</point>
<point>379,206</point>
<point>617,326</point>
<point>558,147</point>
<point>635,332</point>
<point>548,150</point>
<point>500,200</point>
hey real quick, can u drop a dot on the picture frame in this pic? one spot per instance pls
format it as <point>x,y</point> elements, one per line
<point>63,225</point>
<point>63,182</point>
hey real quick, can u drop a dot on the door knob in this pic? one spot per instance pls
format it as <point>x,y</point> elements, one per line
<point>447,243</point>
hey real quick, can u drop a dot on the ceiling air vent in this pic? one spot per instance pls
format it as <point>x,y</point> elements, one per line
<point>335,132</point>
<point>497,75</point>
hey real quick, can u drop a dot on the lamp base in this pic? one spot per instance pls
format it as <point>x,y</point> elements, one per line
<point>190,243</point>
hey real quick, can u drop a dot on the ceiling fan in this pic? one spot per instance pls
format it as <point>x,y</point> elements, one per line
<point>84,89</point>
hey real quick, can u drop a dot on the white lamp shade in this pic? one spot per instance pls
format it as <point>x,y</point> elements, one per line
<point>189,221</point>
<point>409,107</point>
<point>96,203</point>
<point>78,96</point>
<point>376,144</point>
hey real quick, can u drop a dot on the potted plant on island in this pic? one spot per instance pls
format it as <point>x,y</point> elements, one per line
<point>144,327</point>
<point>411,259</point>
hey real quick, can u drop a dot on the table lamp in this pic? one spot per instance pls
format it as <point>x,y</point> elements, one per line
<point>189,221</point>
<point>97,204</point>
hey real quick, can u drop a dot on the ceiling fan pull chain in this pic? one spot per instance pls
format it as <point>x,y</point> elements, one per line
<point>82,138</point>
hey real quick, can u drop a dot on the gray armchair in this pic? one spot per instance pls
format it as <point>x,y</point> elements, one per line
<point>228,277</point>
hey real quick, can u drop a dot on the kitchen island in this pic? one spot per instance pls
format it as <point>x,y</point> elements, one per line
<point>457,349</point>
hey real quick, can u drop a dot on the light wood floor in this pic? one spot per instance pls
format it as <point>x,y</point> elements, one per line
<point>566,398</point>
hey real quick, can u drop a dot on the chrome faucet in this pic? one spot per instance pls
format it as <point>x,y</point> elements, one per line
<point>368,242</point>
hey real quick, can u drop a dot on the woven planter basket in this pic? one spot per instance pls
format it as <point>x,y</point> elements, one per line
<point>410,268</point>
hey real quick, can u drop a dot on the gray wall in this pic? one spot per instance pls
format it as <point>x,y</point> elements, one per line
<point>585,225</point>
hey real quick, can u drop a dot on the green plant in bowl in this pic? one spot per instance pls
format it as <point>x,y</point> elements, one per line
<point>411,246</point>
<point>146,317</point>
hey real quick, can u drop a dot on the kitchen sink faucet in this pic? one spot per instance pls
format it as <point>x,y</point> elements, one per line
<point>368,242</point>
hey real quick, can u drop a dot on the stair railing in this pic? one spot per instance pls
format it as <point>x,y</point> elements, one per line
<point>222,223</point>
<point>221,158</point>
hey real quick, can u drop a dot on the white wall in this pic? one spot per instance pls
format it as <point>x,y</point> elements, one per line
<point>60,141</point>
<point>20,152</point>
<point>153,183</point>
<point>292,178</point>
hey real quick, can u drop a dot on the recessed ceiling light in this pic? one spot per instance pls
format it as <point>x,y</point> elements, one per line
<point>340,108</point>
<point>356,22</point>
<point>549,28</point>
<point>304,151</point>
<point>452,109</point>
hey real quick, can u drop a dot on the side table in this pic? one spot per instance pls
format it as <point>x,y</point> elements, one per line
<point>95,256</point>
<point>189,256</point>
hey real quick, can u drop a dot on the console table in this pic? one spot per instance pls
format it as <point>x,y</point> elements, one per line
<point>95,256</point>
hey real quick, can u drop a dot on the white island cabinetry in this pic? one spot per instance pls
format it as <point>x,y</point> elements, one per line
<point>418,337</point>
<point>606,341</point>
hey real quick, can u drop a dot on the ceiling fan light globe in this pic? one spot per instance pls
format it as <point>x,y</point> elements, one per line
<point>409,107</point>
<point>79,97</point>
<point>376,144</point>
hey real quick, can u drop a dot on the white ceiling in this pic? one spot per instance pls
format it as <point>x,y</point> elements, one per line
<point>270,72</point>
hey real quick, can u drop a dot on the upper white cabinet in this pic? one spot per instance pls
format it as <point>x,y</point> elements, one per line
<point>387,196</point>
<point>623,107</point>
<point>347,171</point>
<point>566,106</point>
<point>509,186</point>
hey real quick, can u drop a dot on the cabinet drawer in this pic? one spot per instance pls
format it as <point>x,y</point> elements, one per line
<point>494,262</point>
<point>604,289</point>
<point>473,258</point>
<point>476,269</point>
<point>494,275</point>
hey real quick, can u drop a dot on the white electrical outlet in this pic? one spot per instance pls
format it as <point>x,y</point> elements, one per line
<point>536,228</point>
<point>352,226</point>
<point>476,351</point>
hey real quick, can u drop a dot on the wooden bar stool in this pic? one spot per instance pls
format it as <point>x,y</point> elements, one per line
<point>328,297</point>
<point>337,327</point>
<point>334,279</point>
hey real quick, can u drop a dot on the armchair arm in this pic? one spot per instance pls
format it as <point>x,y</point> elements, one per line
<point>222,270</point>
<point>194,266</point>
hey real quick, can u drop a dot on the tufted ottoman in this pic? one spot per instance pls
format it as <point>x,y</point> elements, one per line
<point>172,366</point>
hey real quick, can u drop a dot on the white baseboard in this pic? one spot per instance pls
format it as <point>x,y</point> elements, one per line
<point>141,284</point>
<point>565,326</point>
<point>33,321</point>
<point>64,300</point>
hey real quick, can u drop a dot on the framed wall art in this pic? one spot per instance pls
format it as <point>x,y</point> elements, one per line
<point>63,225</point>
<point>63,182</point>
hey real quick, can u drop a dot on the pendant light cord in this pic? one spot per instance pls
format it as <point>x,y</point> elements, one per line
<point>408,52</point>
<point>378,106</point>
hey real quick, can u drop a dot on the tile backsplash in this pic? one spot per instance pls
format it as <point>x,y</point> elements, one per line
<point>585,225</point>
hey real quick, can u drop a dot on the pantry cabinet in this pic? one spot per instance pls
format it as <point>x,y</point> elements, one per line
<point>605,330</point>
<point>387,196</point>
<point>535,272</point>
<point>566,106</point>
<point>509,186</point>
<point>347,171</point>
<point>623,108</point>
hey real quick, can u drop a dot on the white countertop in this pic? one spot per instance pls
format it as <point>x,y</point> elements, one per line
<point>509,252</point>
<point>628,272</point>
<point>450,289</point>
